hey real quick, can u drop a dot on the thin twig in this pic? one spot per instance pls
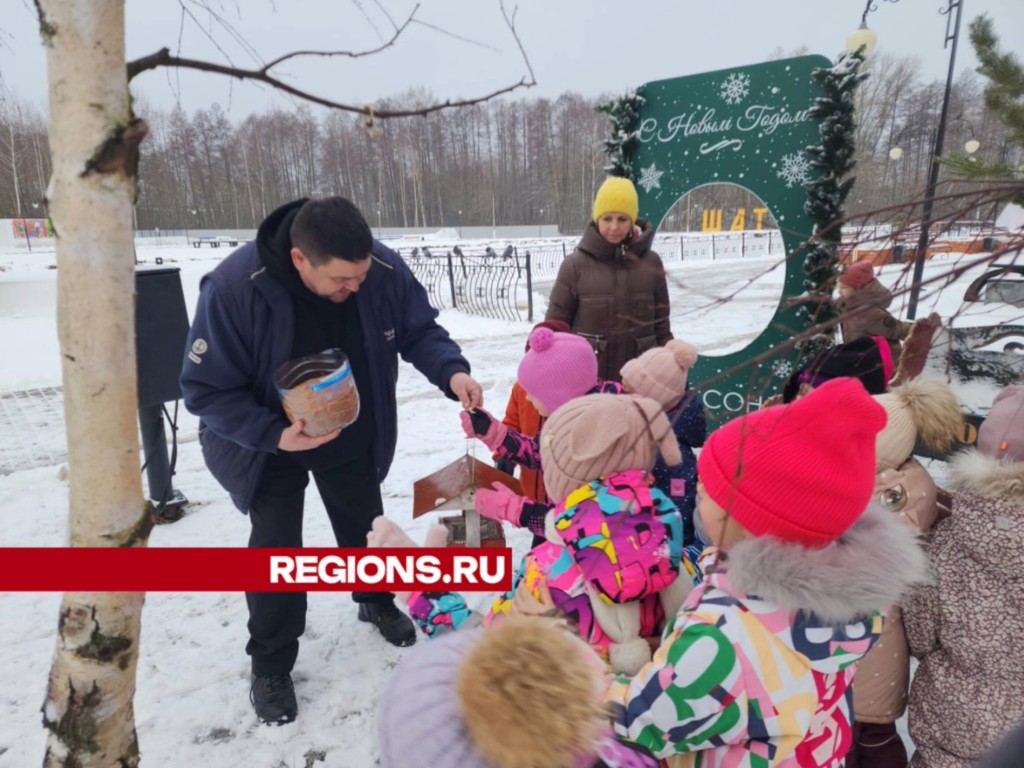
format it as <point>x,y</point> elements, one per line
<point>348,54</point>
<point>163,58</point>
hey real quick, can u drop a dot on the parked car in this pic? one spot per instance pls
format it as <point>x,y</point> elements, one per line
<point>983,350</point>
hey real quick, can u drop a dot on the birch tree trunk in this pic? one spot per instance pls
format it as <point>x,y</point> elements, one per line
<point>94,144</point>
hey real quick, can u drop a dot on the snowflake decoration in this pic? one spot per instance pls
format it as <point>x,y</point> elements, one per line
<point>735,88</point>
<point>782,369</point>
<point>650,177</point>
<point>795,168</point>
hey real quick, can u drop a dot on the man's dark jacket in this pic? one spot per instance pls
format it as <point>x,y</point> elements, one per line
<point>242,333</point>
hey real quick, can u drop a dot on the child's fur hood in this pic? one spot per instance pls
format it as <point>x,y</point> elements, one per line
<point>869,568</point>
<point>974,472</point>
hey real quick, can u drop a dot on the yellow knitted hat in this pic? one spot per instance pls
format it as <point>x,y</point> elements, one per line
<point>616,195</point>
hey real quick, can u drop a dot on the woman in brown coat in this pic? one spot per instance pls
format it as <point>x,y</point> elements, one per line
<point>612,289</point>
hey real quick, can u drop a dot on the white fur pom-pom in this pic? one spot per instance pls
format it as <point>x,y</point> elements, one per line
<point>629,657</point>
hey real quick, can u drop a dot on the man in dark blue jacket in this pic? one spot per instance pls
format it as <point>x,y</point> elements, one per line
<point>314,279</point>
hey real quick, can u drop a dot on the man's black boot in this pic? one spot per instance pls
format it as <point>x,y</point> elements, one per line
<point>273,698</point>
<point>395,626</point>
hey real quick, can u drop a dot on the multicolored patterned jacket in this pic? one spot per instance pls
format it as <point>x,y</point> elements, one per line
<point>745,681</point>
<point>613,541</point>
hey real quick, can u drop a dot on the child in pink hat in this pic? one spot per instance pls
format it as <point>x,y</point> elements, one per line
<point>661,374</point>
<point>556,368</point>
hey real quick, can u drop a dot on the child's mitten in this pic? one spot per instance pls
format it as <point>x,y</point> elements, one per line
<point>480,424</point>
<point>501,504</point>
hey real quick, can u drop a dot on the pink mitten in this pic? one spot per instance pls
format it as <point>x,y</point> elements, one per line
<point>501,504</point>
<point>480,424</point>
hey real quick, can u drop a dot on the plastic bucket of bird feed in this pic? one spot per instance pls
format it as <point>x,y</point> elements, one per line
<point>319,389</point>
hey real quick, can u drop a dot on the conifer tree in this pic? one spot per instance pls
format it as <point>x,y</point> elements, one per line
<point>623,113</point>
<point>1004,96</point>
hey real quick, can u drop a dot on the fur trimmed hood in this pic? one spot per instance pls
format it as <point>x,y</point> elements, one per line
<point>867,569</point>
<point>974,472</point>
<point>987,523</point>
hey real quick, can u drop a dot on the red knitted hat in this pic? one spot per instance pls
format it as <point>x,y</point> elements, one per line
<point>858,275</point>
<point>802,472</point>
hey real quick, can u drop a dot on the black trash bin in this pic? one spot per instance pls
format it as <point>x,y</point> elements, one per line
<point>899,254</point>
<point>988,244</point>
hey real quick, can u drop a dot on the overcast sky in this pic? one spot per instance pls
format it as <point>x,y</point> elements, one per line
<point>462,47</point>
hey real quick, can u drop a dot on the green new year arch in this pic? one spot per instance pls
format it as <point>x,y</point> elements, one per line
<point>747,126</point>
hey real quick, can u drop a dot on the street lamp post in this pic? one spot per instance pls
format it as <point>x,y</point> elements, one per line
<point>193,212</point>
<point>933,171</point>
<point>866,38</point>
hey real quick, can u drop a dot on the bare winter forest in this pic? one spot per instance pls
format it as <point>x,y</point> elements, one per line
<point>524,161</point>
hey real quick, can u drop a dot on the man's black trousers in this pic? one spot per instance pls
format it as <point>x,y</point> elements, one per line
<point>351,494</point>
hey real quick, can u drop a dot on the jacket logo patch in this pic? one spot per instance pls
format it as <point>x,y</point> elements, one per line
<point>389,335</point>
<point>199,347</point>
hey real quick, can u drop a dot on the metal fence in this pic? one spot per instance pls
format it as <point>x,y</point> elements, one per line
<point>484,282</point>
<point>720,246</point>
<point>545,261</point>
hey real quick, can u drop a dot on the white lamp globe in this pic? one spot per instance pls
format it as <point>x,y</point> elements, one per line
<point>862,38</point>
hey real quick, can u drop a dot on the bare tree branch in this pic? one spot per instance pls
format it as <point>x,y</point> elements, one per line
<point>163,58</point>
<point>350,54</point>
<point>511,22</point>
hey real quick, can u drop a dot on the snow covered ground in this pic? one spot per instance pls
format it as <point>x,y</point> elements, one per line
<point>192,703</point>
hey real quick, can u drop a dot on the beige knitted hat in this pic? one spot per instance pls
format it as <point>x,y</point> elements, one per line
<point>918,410</point>
<point>660,373</point>
<point>595,435</point>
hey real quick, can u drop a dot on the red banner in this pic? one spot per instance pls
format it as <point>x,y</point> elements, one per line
<point>165,569</point>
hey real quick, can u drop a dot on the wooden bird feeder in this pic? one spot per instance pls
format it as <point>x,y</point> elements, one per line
<point>453,487</point>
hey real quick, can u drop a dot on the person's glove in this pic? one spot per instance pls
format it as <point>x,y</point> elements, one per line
<point>506,465</point>
<point>480,424</point>
<point>501,504</point>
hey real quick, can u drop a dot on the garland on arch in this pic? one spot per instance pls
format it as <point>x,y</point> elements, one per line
<point>832,163</point>
<point>623,113</point>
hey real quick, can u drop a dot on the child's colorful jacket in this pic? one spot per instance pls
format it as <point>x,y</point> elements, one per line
<point>613,541</point>
<point>613,563</point>
<point>755,671</point>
